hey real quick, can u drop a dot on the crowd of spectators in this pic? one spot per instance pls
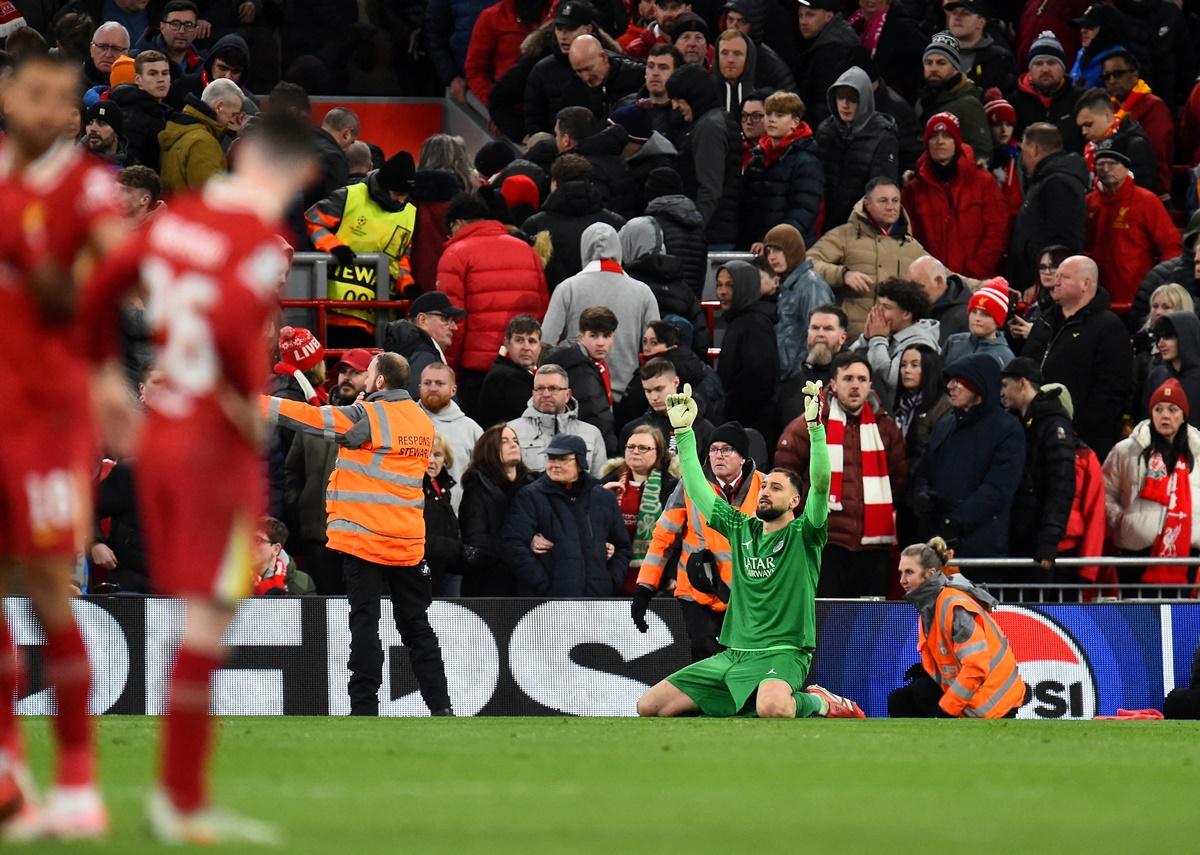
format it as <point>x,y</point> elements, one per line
<point>962,218</point>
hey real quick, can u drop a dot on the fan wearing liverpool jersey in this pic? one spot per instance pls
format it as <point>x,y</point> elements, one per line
<point>770,628</point>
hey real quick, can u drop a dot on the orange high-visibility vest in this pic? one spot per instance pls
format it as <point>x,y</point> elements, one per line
<point>979,675</point>
<point>681,520</point>
<point>375,502</point>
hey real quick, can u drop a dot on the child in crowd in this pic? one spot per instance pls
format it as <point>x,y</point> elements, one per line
<point>987,312</point>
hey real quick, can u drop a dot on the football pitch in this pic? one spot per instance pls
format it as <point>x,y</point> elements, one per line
<point>618,786</point>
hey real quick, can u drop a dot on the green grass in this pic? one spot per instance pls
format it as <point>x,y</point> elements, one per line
<point>555,785</point>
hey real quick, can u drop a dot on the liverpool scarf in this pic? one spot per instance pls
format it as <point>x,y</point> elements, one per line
<point>879,522</point>
<point>1174,540</point>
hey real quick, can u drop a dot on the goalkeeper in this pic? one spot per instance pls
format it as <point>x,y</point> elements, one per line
<point>770,629</point>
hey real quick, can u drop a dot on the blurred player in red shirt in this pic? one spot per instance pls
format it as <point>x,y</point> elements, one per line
<point>210,265</point>
<point>59,206</point>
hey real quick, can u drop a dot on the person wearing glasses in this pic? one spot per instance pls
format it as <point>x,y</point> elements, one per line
<point>110,41</point>
<point>1122,80</point>
<point>178,28</point>
<point>552,411</point>
<point>642,480</point>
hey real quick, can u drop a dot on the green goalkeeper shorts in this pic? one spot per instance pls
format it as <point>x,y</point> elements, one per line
<point>723,685</point>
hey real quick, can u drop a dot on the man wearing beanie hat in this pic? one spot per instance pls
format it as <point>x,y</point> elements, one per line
<point>1045,93</point>
<point>964,484</point>
<point>371,216</point>
<point>987,313</point>
<point>958,210</point>
<point>569,507</point>
<point>1129,230</point>
<point>689,34</point>
<point>984,60</point>
<point>1043,502</point>
<point>102,133</point>
<point>681,223</point>
<point>492,157</point>
<point>948,90</point>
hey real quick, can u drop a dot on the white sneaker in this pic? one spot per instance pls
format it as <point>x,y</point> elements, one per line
<point>20,819</point>
<point>74,813</point>
<point>207,827</point>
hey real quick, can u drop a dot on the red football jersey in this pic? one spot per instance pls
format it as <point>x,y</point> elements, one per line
<point>210,267</point>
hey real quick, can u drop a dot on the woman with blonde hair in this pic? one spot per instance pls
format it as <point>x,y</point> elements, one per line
<point>967,669</point>
<point>449,153</point>
<point>642,481</point>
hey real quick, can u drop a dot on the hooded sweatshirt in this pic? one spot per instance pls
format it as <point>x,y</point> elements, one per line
<point>1187,331</point>
<point>460,432</point>
<point>646,260</point>
<point>603,282</point>
<point>884,353</point>
<point>749,362</point>
<point>854,153</point>
<point>733,91</point>
<point>683,234</point>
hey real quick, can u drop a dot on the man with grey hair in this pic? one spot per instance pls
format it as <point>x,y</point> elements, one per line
<point>110,41</point>
<point>946,292</point>
<point>191,141</point>
<point>1080,343</point>
<point>552,410</point>
<point>358,156</point>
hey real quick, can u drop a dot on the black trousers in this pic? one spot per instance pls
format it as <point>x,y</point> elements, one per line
<point>324,566</point>
<point>703,628</point>
<point>853,573</point>
<point>409,589</point>
<point>919,699</point>
<point>1183,704</point>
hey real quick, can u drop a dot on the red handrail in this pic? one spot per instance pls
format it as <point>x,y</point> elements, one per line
<point>322,307</point>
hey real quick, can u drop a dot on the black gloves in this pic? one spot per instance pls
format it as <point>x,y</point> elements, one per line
<point>637,609</point>
<point>705,577</point>
<point>343,254</point>
<point>914,671</point>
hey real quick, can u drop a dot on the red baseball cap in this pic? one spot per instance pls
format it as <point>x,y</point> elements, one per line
<point>359,359</point>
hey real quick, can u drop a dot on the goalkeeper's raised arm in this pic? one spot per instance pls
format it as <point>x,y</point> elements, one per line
<point>681,410</point>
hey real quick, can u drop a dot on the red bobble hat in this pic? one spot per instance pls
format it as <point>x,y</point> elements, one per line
<point>299,350</point>
<point>1170,392</point>
<point>947,122</point>
<point>997,109</point>
<point>992,297</point>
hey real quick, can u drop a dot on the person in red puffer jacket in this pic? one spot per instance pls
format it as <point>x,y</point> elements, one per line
<point>492,275</point>
<point>496,40</point>
<point>958,211</point>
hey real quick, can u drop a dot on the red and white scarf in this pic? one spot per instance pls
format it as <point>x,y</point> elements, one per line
<point>879,519</point>
<point>1174,540</point>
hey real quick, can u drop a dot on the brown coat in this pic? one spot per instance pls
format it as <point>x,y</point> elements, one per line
<point>846,525</point>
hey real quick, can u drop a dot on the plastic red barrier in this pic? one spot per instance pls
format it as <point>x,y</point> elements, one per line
<point>322,307</point>
<point>392,124</point>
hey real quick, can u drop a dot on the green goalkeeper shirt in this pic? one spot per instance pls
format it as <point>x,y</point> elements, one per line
<point>772,599</point>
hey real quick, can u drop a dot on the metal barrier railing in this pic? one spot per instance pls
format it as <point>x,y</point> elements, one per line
<point>306,294</point>
<point>1098,591</point>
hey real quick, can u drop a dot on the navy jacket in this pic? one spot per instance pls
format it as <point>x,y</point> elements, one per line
<point>578,523</point>
<point>973,466</point>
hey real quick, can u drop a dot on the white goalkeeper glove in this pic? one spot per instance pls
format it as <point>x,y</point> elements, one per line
<point>681,408</point>
<point>812,402</point>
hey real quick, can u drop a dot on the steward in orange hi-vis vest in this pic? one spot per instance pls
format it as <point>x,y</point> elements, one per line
<point>964,650</point>
<point>375,501</point>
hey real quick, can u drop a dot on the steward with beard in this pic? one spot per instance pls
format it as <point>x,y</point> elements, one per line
<point>770,627</point>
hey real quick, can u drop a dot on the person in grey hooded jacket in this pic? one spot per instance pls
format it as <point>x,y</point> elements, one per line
<point>897,322</point>
<point>603,282</point>
<point>856,143</point>
<point>646,259</point>
<point>553,410</point>
<point>749,362</point>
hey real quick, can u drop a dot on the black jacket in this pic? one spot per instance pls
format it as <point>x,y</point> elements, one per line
<point>788,191</point>
<point>1180,270</point>
<point>566,213</point>
<point>854,154</point>
<point>145,117</point>
<point>710,154</point>
<point>609,169</point>
<point>1089,354</point>
<point>443,543</point>
<point>898,54</point>
<point>821,61</point>
<point>552,85</point>
<point>414,344</point>
<point>116,501</point>
<point>333,165</point>
<point>1043,502</point>
<point>909,130</point>
<point>990,64</point>
<point>972,468</point>
<point>506,390</point>
<point>1054,211</point>
<point>749,362</point>
<point>950,310</point>
<point>587,387</point>
<point>689,368</point>
<point>701,427</point>
<point>579,523</point>
<point>1060,112</point>
<point>683,235</point>
<point>1131,140</point>
<point>664,275</point>
<point>482,512</point>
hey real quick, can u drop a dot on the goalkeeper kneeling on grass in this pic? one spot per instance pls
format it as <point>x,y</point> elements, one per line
<point>967,669</point>
<point>770,627</point>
